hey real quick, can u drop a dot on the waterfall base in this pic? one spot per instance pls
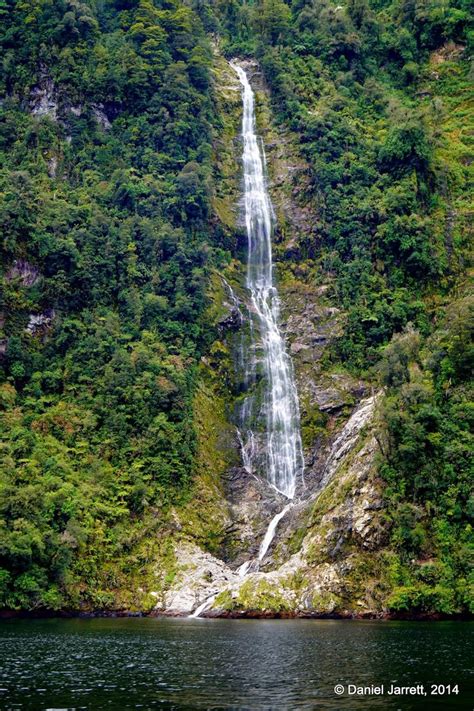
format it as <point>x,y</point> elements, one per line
<point>312,581</point>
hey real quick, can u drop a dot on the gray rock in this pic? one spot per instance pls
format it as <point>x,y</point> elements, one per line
<point>24,271</point>
<point>199,576</point>
<point>43,99</point>
<point>101,117</point>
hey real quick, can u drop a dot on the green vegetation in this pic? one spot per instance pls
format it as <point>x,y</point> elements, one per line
<point>117,203</point>
<point>428,468</point>
<point>261,596</point>
<point>105,133</point>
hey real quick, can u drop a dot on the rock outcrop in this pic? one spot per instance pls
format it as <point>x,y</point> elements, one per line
<point>341,525</point>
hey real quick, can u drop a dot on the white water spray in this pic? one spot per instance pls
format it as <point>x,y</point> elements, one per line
<point>270,534</point>
<point>284,452</point>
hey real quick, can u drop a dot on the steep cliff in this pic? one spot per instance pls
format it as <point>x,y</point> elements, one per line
<point>123,307</point>
<point>338,551</point>
<point>324,546</point>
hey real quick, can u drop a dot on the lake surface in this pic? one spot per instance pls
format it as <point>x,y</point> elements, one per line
<point>125,664</point>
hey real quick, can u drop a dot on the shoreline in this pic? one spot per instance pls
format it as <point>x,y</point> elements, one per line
<point>243,615</point>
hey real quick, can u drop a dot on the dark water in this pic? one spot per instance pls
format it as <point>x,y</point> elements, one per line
<point>230,664</point>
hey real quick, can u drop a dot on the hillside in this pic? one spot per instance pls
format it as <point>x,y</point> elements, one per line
<point>123,259</point>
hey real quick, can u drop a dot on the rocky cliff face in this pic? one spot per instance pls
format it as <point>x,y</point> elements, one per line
<point>327,557</point>
<point>323,560</point>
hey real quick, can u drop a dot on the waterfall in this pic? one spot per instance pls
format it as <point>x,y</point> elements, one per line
<point>203,607</point>
<point>270,534</point>
<point>283,455</point>
<point>282,448</point>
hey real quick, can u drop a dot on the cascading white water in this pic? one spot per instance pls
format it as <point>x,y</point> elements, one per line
<point>284,452</point>
<point>270,533</point>
<point>283,448</point>
<point>203,606</point>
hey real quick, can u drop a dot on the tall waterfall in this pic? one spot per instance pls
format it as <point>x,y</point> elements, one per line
<point>283,453</point>
<point>277,450</point>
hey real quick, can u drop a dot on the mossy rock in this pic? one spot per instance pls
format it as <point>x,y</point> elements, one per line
<point>313,424</point>
<point>335,493</point>
<point>326,602</point>
<point>262,597</point>
<point>224,601</point>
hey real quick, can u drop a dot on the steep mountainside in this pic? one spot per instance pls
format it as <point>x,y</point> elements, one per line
<point>122,485</point>
<point>106,251</point>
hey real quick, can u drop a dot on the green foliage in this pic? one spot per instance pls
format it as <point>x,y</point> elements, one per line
<point>428,468</point>
<point>106,249</point>
<point>422,598</point>
<point>272,20</point>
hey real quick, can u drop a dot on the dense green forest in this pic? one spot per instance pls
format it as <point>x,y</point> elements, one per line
<point>105,194</point>
<point>109,240</point>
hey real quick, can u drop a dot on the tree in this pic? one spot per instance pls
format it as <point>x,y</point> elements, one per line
<point>272,18</point>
